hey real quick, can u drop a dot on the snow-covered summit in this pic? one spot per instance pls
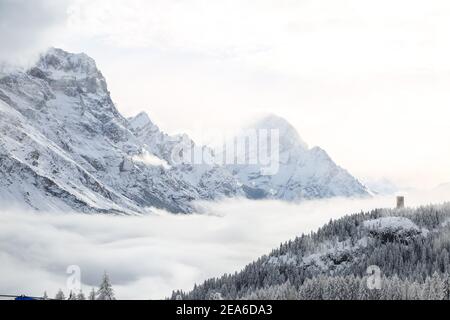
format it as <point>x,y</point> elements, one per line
<point>289,136</point>
<point>58,62</point>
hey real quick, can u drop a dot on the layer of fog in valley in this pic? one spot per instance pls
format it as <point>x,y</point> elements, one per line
<point>147,257</point>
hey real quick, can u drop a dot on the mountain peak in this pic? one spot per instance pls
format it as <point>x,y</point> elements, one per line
<point>76,64</point>
<point>71,72</point>
<point>140,121</point>
<point>289,136</point>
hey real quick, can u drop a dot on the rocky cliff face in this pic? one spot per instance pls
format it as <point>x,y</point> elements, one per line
<point>64,145</point>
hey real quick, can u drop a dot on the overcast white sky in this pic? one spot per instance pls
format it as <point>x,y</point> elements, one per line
<point>368,81</point>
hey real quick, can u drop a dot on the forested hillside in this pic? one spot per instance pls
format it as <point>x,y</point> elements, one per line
<point>409,247</point>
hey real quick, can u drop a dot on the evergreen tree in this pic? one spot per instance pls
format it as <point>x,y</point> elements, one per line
<point>92,294</point>
<point>414,291</point>
<point>446,281</point>
<point>81,295</point>
<point>60,295</point>
<point>105,292</point>
<point>72,296</point>
<point>364,293</point>
<point>436,289</point>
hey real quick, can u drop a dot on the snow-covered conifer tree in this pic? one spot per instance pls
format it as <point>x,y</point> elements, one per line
<point>72,296</point>
<point>105,292</point>
<point>436,288</point>
<point>60,295</point>
<point>92,294</point>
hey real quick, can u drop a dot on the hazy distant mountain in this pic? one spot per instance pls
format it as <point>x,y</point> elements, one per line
<point>381,186</point>
<point>303,173</point>
<point>64,145</point>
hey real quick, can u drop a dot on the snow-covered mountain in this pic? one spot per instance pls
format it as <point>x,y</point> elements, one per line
<point>381,186</point>
<point>64,145</point>
<point>443,187</point>
<point>303,172</point>
<point>211,181</point>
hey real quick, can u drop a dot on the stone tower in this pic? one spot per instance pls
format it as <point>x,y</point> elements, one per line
<point>400,202</point>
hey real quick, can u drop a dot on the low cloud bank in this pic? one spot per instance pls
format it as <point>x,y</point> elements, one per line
<point>148,257</point>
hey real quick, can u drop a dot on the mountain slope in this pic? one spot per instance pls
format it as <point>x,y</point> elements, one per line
<point>59,122</point>
<point>64,145</point>
<point>211,180</point>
